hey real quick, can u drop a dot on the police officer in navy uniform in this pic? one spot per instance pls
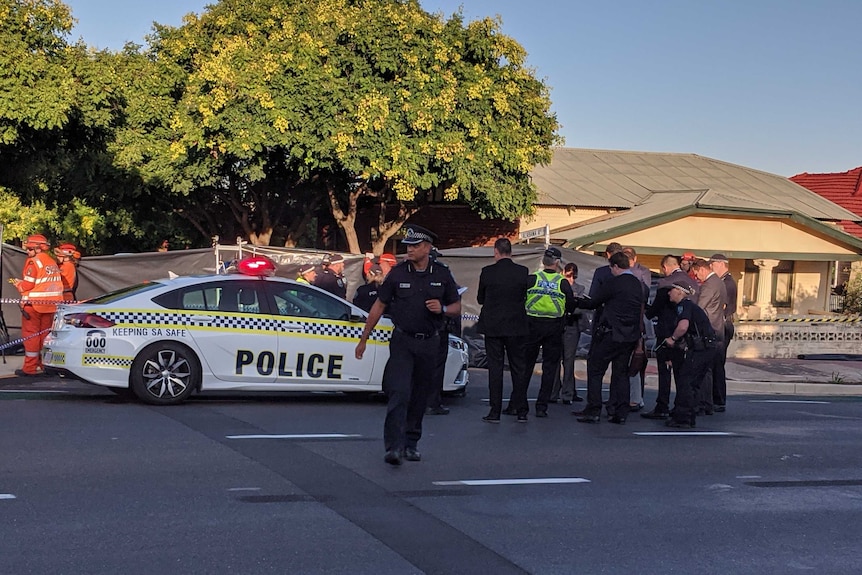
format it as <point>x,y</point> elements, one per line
<point>695,337</point>
<point>331,278</point>
<point>366,294</point>
<point>417,294</point>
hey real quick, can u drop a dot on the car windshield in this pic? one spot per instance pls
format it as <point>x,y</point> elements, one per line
<point>125,292</point>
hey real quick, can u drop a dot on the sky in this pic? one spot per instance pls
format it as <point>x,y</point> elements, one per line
<point>768,84</point>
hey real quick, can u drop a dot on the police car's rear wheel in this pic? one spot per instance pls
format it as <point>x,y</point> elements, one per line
<point>165,373</point>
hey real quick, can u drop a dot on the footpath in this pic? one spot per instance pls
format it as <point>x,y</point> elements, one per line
<point>770,376</point>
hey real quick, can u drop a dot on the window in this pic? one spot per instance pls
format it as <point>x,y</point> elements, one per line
<point>749,283</point>
<point>300,301</point>
<point>781,294</point>
<point>782,284</point>
<point>230,296</point>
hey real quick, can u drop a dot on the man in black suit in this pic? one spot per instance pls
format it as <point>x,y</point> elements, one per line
<point>602,275</point>
<point>503,321</point>
<point>614,340</point>
<point>719,264</point>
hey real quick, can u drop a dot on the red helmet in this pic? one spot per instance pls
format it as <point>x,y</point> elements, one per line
<point>37,241</point>
<point>67,250</point>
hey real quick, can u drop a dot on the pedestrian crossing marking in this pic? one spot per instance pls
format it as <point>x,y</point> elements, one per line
<point>687,433</point>
<point>534,481</point>
<point>297,436</point>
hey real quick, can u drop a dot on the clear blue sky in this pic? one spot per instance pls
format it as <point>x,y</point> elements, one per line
<point>769,84</point>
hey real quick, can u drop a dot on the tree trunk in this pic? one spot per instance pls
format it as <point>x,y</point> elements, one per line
<point>388,228</point>
<point>346,221</point>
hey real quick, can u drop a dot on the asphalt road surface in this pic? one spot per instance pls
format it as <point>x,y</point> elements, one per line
<point>95,483</point>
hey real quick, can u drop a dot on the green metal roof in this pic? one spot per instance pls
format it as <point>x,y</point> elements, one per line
<point>618,179</point>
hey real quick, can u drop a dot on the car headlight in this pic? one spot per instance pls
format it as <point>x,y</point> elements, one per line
<point>458,343</point>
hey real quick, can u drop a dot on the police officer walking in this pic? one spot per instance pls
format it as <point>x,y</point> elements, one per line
<point>417,294</point>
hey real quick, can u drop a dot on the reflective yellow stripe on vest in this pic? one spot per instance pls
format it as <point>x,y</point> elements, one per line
<point>546,297</point>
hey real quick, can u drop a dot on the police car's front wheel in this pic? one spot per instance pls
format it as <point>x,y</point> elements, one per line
<point>165,373</point>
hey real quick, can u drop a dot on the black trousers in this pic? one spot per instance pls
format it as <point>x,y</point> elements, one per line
<point>719,381</point>
<point>713,372</point>
<point>693,371</point>
<point>435,393</point>
<point>496,348</point>
<point>546,334</point>
<point>604,352</point>
<point>664,355</point>
<point>406,380</point>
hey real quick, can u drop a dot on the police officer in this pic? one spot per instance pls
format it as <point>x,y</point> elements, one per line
<point>695,337</point>
<point>307,274</point>
<point>417,294</point>
<point>549,297</point>
<point>366,294</point>
<point>332,277</point>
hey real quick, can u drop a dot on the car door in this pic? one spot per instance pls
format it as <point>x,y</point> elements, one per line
<point>238,340</point>
<point>322,353</point>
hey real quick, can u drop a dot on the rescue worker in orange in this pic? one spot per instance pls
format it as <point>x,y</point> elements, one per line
<point>41,288</point>
<point>67,259</point>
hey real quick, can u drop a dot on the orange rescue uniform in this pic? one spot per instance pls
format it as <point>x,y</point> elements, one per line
<point>41,288</point>
<point>69,273</point>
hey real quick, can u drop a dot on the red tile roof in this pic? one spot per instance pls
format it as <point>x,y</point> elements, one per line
<point>842,188</point>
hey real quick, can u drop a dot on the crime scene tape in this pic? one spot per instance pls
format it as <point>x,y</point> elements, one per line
<point>841,319</point>
<point>21,340</point>
<point>20,301</point>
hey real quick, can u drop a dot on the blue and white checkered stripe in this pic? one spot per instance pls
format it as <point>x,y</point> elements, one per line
<point>243,322</point>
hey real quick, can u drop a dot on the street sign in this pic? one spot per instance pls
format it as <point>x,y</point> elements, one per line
<point>534,233</point>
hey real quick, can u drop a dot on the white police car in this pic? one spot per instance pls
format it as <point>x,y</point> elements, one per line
<point>166,339</point>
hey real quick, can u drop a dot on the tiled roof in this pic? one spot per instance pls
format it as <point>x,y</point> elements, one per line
<point>842,188</point>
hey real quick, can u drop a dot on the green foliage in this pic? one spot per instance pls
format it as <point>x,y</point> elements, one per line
<point>264,105</point>
<point>853,295</point>
<point>253,116</point>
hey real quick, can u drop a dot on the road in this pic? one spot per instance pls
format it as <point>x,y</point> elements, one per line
<point>95,483</point>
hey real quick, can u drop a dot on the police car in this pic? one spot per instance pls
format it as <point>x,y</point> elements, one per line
<point>248,331</point>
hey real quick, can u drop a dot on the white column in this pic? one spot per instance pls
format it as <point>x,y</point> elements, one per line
<point>764,287</point>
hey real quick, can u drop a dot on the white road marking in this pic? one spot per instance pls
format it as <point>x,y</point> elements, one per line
<point>244,489</point>
<point>297,436</point>
<point>748,476</point>
<point>33,391</point>
<point>536,481</point>
<point>788,401</point>
<point>686,433</point>
<point>6,496</point>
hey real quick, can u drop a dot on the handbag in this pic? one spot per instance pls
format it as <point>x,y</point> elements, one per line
<point>638,359</point>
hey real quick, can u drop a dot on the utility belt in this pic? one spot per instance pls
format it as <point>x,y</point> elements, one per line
<point>417,334</point>
<point>701,343</point>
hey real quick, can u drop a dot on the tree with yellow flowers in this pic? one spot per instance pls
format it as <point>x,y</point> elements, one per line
<point>274,108</point>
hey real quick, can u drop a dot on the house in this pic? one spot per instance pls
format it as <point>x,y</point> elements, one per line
<point>782,239</point>
<point>844,189</point>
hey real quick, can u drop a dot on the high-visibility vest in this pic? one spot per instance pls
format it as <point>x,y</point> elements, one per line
<point>546,297</point>
<point>42,273</point>
<point>302,280</point>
